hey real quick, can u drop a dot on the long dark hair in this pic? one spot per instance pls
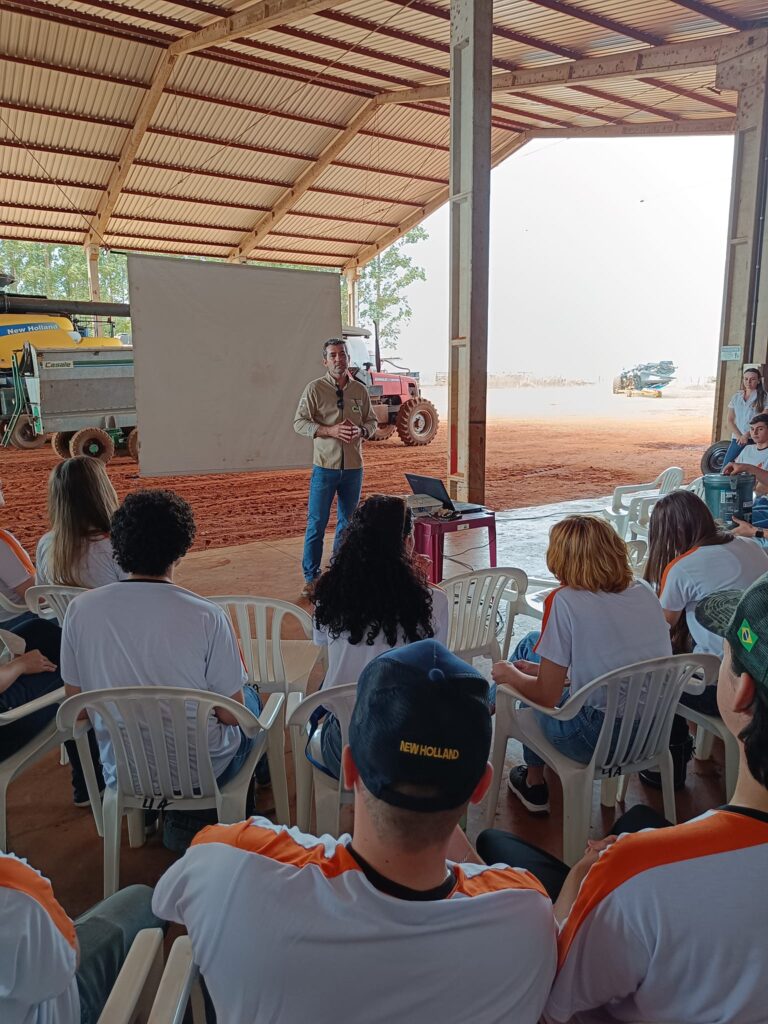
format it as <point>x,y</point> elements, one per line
<point>372,586</point>
<point>760,395</point>
<point>679,521</point>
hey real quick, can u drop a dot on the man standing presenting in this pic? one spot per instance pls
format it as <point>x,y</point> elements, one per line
<point>335,411</point>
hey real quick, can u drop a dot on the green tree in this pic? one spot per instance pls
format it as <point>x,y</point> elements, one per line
<point>383,283</point>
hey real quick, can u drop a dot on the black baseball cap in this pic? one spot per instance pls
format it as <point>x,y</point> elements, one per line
<point>741,617</point>
<point>421,718</point>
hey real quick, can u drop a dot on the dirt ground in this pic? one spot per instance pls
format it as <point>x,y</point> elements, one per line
<point>541,447</point>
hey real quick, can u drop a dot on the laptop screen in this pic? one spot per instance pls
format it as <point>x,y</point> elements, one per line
<point>432,486</point>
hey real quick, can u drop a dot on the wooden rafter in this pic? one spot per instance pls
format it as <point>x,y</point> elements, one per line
<point>302,184</point>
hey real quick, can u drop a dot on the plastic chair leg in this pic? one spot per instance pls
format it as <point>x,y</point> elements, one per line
<point>91,785</point>
<point>703,745</point>
<point>621,796</point>
<point>327,801</point>
<point>667,772</point>
<point>498,756</point>
<point>609,792</point>
<point>136,835</point>
<point>276,759</point>
<point>577,813</point>
<point>113,820</point>
<point>3,809</point>
<point>303,782</point>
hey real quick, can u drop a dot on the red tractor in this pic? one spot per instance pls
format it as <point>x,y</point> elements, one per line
<point>395,397</point>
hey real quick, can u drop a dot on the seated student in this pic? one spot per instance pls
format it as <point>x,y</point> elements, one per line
<point>52,969</point>
<point>17,575</point>
<point>690,557</point>
<point>753,454</point>
<point>147,631</point>
<point>599,619</point>
<point>386,927</point>
<point>77,551</point>
<point>670,925</point>
<point>371,599</point>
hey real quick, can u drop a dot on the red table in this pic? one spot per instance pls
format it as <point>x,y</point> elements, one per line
<point>429,534</point>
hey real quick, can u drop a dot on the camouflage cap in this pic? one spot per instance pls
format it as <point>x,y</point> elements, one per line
<point>741,617</point>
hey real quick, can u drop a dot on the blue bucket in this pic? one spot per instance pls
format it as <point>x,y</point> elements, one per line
<point>729,496</point>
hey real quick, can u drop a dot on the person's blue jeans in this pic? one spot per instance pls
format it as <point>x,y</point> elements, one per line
<point>252,701</point>
<point>105,934</point>
<point>324,486</point>
<point>760,513</point>
<point>18,620</point>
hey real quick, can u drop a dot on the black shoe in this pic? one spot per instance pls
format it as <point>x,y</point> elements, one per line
<point>534,798</point>
<point>80,796</point>
<point>681,755</point>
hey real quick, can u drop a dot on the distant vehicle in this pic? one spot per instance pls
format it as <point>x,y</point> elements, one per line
<point>645,377</point>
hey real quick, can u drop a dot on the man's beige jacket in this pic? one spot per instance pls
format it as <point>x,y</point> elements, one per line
<point>318,406</point>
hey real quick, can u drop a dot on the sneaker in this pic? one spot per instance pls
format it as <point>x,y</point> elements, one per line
<point>308,590</point>
<point>80,797</point>
<point>534,798</point>
<point>681,755</point>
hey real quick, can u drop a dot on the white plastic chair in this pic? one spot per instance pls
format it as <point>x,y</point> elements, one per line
<point>135,988</point>
<point>618,513</point>
<point>710,726</point>
<point>646,694</point>
<point>638,556</point>
<point>149,726</point>
<point>329,793</point>
<point>275,665</point>
<point>51,596</point>
<point>179,987</point>
<point>12,607</point>
<point>475,600</point>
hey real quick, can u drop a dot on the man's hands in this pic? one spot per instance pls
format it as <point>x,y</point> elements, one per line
<point>743,529</point>
<point>346,431</point>
<point>744,438</point>
<point>737,467</point>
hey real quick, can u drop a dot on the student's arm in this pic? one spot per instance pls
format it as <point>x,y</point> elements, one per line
<point>28,664</point>
<point>226,717</point>
<point>672,617</point>
<point>546,688</point>
<point>224,666</point>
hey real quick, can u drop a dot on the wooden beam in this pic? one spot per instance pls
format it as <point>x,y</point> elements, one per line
<point>285,204</point>
<point>130,148</point>
<point>651,129</point>
<point>262,16</point>
<point>653,60</point>
<point>438,199</point>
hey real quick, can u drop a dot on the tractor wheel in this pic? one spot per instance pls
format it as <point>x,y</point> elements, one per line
<point>24,437</point>
<point>383,433</point>
<point>417,422</point>
<point>93,442</point>
<point>60,442</point>
<point>713,458</point>
<point>132,444</point>
<point>618,386</point>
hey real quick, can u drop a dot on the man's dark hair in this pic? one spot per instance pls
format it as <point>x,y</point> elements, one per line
<point>150,531</point>
<point>762,417</point>
<point>755,735</point>
<point>332,341</point>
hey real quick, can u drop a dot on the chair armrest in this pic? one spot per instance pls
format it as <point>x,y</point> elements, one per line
<point>138,978</point>
<point>271,710</point>
<point>292,701</point>
<point>640,508</point>
<point>568,710</point>
<point>55,697</point>
<point>624,490</point>
<point>177,986</point>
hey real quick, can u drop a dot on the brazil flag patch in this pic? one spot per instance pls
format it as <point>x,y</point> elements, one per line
<point>747,636</point>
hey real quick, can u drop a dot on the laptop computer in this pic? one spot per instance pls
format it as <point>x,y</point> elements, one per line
<point>436,489</point>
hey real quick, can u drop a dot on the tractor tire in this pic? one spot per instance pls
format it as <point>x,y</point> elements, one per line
<point>417,422</point>
<point>93,442</point>
<point>24,437</point>
<point>713,458</point>
<point>383,433</point>
<point>60,442</point>
<point>132,444</point>
<point>618,387</point>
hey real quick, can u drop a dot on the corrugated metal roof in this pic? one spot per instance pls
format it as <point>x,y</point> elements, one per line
<point>240,123</point>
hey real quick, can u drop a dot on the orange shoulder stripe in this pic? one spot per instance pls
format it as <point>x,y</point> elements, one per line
<point>7,538</point>
<point>548,601</point>
<point>24,879</point>
<point>278,846</point>
<point>497,880</point>
<point>720,832</point>
<point>674,562</point>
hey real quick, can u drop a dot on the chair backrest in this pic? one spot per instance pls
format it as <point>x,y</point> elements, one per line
<point>670,479</point>
<point>9,606</point>
<point>697,487</point>
<point>475,600</point>
<point>56,597</point>
<point>638,555</point>
<point>340,700</point>
<point>260,641</point>
<point>159,737</point>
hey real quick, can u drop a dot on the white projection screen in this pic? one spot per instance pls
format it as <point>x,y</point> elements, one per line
<point>222,354</point>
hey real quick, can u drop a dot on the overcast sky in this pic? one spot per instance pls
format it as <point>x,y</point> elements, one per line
<point>604,253</point>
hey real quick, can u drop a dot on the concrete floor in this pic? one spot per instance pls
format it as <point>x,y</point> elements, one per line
<point>61,840</point>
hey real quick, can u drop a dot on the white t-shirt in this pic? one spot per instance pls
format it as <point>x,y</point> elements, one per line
<point>702,571</point>
<point>97,566</point>
<point>38,950</point>
<point>15,568</point>
<point>753,456</point>
<point>743,411</point>
<point>670,925</point>
<point>346,661</point>
<point>591,633</point>
<point>152,634</point>
<point>258,899</point>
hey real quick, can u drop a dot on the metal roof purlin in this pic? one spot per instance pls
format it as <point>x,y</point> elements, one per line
<point>283,206</point>
<point>687,56</point>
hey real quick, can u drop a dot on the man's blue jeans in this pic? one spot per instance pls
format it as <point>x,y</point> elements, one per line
<point>324,486</point>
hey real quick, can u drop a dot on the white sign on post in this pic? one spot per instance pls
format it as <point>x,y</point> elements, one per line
<point>730,353</point>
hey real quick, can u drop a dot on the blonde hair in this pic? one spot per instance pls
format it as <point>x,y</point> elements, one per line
<point>587,554</point>
<point>81,502</point>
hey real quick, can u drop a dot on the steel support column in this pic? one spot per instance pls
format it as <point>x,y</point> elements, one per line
<point>469,213</point>
<point>744,326</point>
